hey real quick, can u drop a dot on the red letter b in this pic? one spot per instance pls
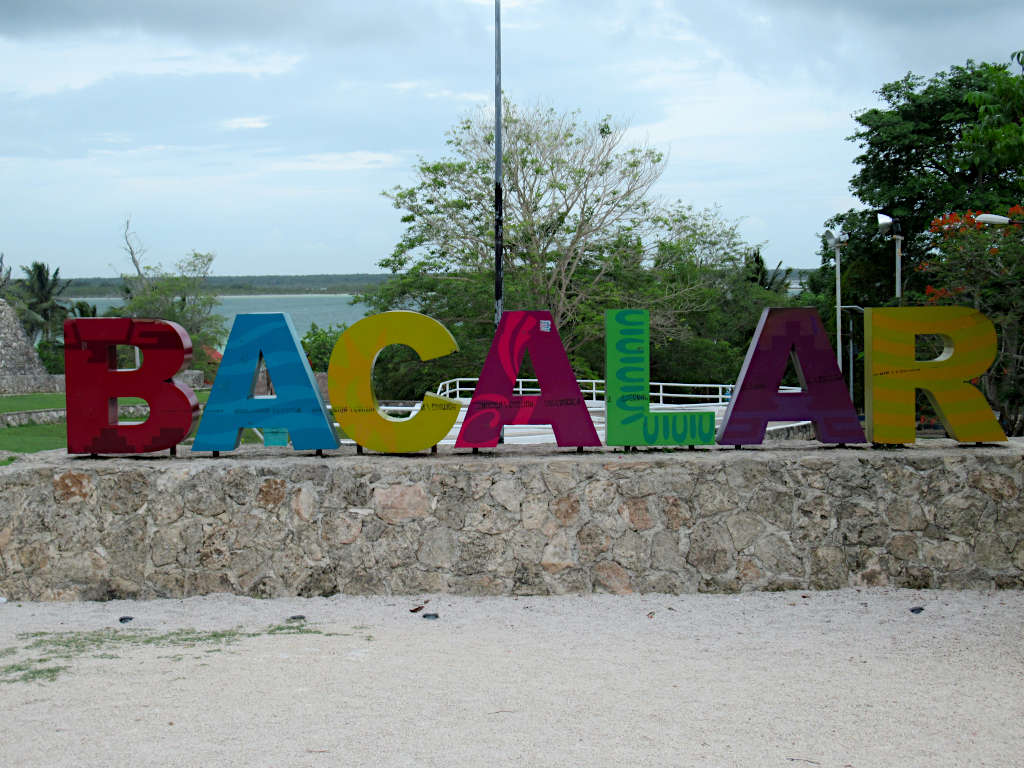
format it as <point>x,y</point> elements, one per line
<point>93,384</point>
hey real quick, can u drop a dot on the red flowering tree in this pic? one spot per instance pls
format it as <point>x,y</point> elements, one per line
<point>973,264</point>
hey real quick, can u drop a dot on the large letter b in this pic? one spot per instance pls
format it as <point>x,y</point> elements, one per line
<point>94,383</point>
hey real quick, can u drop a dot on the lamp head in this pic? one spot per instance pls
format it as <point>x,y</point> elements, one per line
<point>889,225</point>
<point>830,239</point>
<point>993,218</point>
<point>884,224</point>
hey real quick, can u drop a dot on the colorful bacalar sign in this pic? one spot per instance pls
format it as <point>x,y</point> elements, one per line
<point>893,374</point>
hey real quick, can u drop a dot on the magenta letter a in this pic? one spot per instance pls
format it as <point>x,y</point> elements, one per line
<point>494,402</point>
<point>783,334</point>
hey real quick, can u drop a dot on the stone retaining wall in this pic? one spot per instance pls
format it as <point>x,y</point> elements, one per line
<point>518,521</point>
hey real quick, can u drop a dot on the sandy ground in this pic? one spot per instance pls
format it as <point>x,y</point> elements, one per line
<point>847,679</point>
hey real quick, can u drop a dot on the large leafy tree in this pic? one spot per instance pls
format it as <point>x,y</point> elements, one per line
<point>575,201</point>
<point>937,145</point>
<point>181,296</point>
<point>582,234</point>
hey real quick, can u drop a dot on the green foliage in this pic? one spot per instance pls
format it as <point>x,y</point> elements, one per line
<point>997,138</point>
<point>581,235</point>
<point>942,144</point>
<point>318,343</point>
<point>38,301</point>
<point>182,297</point>
<point>83,309</point>
<point>775,280</point>
<point>51,355</point>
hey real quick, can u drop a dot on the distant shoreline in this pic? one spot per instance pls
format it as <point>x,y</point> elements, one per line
<point>243,285</point>
<point>217,294</point>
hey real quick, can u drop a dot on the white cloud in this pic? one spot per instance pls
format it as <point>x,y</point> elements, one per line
<point>338,161</point>
<point>244,123</point>
<point>445,93</point>
<point>406,85</point>
<point>44,68</point>
<point>430,92</point>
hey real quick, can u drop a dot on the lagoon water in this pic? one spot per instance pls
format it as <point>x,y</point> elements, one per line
<point>305,309</point>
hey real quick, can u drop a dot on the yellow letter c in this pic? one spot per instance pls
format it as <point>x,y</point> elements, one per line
<point>350,388</point>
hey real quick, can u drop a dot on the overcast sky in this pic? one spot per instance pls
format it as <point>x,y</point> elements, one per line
<point>265,131</point>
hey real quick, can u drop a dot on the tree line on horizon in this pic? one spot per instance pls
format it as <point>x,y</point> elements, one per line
<point>241,285</point>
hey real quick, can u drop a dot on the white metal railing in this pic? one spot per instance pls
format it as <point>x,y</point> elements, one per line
<point>661,393</point>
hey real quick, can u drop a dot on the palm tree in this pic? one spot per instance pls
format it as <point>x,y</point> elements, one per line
<point>42,312</point>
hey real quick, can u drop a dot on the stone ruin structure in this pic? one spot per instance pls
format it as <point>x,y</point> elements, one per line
<point>20,369</point>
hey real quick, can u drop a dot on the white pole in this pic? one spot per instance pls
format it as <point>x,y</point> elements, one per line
<point>899,267</point>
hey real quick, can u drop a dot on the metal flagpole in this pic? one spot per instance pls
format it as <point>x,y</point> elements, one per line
<point>499,213</point>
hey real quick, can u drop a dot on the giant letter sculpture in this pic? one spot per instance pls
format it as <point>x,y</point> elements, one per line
<point>295,404</point>
<point>781,335</point>
<point>350,385</point>
<point>93,384</point>
<point>628,420</point>
<point>494,403</point>
<point>894,373</point>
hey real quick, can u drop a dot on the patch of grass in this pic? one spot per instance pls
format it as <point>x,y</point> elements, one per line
<point>67,645</point>
<point>8,460</point>
<point>31,438</point>
<point>42,648</point>
<point>296,628</point>
<point>27,672</point>
<point>46,401</point>
<point>42,401</point>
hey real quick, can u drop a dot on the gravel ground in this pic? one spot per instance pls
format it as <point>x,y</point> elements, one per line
<point>851,679</point>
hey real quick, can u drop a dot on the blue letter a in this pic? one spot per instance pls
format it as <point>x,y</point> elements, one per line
<point>296,404</point>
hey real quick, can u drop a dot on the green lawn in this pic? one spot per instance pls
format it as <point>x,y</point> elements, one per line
<point>46,437</point>
<point>38,402</point>
<point>33,437</point>
<point>49,400</point>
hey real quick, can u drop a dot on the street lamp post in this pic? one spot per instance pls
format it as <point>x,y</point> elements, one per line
<point>835,243</point>
<point>886,224</point>
<point>499,213</point>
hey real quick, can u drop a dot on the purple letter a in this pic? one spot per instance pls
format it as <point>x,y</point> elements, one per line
<point>781,334</point>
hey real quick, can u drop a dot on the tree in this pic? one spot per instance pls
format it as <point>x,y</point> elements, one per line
<point>572,194</point>
<point>939,145</point>
<point>318,344</point>
<point>5,279</point>
<point>42,313</point>
<point>582,234</point>
<point>775,281</point>
<point>997,138</point>
<point>181,297</point>
<point>970,264</point>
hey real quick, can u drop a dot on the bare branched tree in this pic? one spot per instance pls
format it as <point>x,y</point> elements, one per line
<point>573,195</point>
<point>5,278</point>
<point>133,247</point>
